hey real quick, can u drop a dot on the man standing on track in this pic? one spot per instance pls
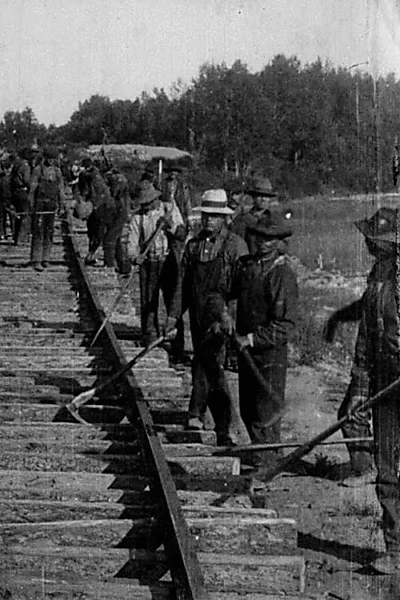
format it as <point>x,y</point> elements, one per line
<point>143,223</point>
<point>46,196</point>
<point>208,269</point>
<point>376,365</point>
<point>175,190</point>
<point>20,179</point>
<point>267,293</point>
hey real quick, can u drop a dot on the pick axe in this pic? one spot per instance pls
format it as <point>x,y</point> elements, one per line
<point>308,446</point>
<point>118,299</point>
<point>85,397</point>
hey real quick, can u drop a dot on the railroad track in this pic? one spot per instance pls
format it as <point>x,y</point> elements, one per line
<point>131,505</point>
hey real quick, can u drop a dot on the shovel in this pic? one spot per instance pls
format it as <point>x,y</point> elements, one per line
<point>85,397</point>
<point>315,441</point>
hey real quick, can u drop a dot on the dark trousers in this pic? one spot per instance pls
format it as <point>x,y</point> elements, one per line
<point>169,280</point>
<point>22,224</point>
<point>150,286</point>
<point>259,409</point>
<point>360,453</point>
<point>386,425</point>
<point>210,388</point>
<point>42,230</point>
<point>102,231</point>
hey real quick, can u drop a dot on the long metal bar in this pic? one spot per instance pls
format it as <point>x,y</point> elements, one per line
<point>184,565</point>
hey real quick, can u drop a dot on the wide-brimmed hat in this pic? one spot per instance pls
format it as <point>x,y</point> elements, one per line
<point>261,187</point>
<point>146,192</point>
<point>384,225</point>
<point>271,225</point>
<point>214,202</point>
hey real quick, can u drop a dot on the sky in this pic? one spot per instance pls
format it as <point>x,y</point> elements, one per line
<point>57,53</point>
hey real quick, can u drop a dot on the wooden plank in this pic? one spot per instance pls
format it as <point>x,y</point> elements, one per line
<point>268,574</point>
<point>71,460</point>
<point>41,588</point>
<point>68,536</point>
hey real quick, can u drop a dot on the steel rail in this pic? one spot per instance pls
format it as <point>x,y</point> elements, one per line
<point>184,565</point>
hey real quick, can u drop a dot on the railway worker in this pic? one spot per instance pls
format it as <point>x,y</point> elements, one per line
<point>261,193</point>
<point>5,195</point>
<point>100,223</point>
<point>360,453</point>
<point>119,188</point>
<point>208,267</point>
<point>20,179</point>
<point>46,196</point>
<point>176,190</point>
<point>267,299</point>
<point>376,365</point>
<point>143,223</point>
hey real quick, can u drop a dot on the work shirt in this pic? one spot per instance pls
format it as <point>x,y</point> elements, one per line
<point>377,356</point>
<point>267,301</point>
<point>143,225</point>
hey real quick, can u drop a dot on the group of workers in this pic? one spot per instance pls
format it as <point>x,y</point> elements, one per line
<point>235,278</point>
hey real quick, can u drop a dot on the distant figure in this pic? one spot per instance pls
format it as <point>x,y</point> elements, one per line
<point>46,196</point>
<point>261,193</point>
<point>5,195</point>
<point>20,179</point>
<point>396,168</point>
<point>92,186</point>
<point>175,190</point>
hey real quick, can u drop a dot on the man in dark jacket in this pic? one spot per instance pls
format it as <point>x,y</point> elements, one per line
<point>46,196</point>
<point>209,263</point>
<point>20,179</point>
<point>100,223</point>
<point>176,190</point>
<point>267,293</point>
<point>376,365</point>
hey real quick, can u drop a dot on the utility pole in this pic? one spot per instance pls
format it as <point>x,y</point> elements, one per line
<point>377,146</point>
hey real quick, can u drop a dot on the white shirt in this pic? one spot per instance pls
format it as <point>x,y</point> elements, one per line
<point>142,226</point>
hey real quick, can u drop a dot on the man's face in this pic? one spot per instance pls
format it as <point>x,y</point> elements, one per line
<point>146,208</point>
<point>266,246</point>
<point>261,202</point>
<point>212,222</point>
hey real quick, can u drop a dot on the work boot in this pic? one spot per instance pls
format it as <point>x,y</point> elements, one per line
<point>37,266</point>
<point>388,564</point>
<point>195,424</point>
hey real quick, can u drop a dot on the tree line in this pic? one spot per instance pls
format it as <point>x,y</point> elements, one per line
<point>310,128</point>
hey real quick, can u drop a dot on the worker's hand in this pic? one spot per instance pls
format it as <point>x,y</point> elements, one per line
<point>329,330</point>
<point>139,260</point>
<point>165,221</point>
<point>227,323</point>
<point>169,329</point>
<point>243,341</point>
<point>353,413</point>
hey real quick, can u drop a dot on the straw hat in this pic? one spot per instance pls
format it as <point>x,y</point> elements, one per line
<point>214,202</point>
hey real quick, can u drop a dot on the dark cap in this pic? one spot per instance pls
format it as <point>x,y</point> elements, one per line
<point>384,225</point>
<point>271,225</point>
<point>261,187</point>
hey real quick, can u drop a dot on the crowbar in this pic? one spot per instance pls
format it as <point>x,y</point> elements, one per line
<point>85,397</point>
<point>118,299</point>
<point>315,441</point>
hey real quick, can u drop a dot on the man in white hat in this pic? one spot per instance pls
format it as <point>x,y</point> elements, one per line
<point>209,262</point>
<point>140,229</point>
